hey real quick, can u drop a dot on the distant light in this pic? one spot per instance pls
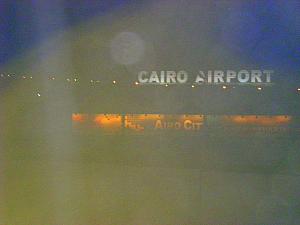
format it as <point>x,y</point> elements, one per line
<point>75,79</point>
<point>24,77</point>
<point>259,88</point>
<point>298,89</point>
<point>8,75</point>
<point>114,82</point>
<point>2,75</point>
<point>38,94</point>
<point>31,77</point>
<point>92,81</point>
<point>224,87</point>
<point>136,83</point>
<point>52,78</point>
<point>166,85</point>
<point>193,86</point>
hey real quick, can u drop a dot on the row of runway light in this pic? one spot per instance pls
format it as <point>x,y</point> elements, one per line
<point>114,82</point>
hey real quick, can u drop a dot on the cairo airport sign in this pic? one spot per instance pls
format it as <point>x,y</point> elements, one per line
<point>251,77</point>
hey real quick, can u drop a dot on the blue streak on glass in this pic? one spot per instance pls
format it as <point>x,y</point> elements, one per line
<point>265,33</point>
<point>18,28</point>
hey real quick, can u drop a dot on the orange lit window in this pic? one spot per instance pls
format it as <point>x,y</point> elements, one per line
<point>79,117</point>
<point>109,121</point>
<point>259,120</point>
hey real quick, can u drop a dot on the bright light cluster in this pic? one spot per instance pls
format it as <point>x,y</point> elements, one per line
<point>113,82</point>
